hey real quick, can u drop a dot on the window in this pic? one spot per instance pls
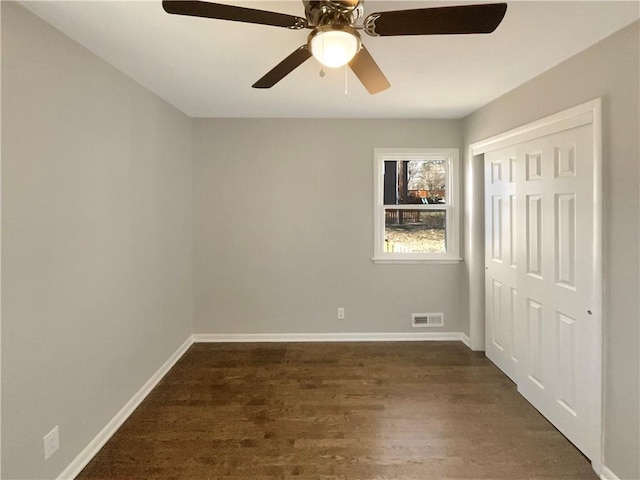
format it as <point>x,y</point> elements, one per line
<point>416,213</point>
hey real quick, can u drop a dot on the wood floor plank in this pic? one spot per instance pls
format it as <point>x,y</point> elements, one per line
<point>348,411</point>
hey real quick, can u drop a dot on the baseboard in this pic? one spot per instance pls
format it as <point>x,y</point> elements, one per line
<point>607,474</point>
<point>465,339</point>
<point>326,337</point>
<point>76,466</point>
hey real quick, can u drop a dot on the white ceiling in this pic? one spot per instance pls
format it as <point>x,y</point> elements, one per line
<point>206,67</point>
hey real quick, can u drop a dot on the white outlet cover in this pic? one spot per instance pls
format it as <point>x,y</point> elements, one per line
<point>51,442</point>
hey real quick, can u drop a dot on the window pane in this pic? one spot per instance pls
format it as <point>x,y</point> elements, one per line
<point>414,182</point>
<point>415,231</point>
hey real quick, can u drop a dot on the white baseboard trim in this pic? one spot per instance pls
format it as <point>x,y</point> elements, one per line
<point>607,474</point>
<point>81,461</point>
<point>326,337</point>
<point>465,339</point>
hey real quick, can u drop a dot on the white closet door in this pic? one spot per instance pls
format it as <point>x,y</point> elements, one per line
<point>500,259</point>
<point>557,280</point>
<point>540,277</point>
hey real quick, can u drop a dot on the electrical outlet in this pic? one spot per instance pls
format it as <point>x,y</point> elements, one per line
<point>341,313</point>
<point>51,442</point>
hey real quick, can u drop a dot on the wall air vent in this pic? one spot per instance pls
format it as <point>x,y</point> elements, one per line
<point>421,320</point>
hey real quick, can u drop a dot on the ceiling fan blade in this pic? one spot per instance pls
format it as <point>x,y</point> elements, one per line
<point>284,68</point>
<point>233,13</point>
<point>437,21</point>
<point>368,72</point>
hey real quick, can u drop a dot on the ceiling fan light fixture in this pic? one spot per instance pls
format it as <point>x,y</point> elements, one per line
<point>335,39</point>
<point>334,46</point>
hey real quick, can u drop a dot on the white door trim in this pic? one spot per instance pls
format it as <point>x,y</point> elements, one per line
<point>586,113</point>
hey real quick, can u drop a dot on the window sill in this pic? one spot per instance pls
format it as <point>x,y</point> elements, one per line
<point>416,261</point>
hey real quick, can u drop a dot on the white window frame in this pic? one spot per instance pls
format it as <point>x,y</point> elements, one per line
<point>451,156</point>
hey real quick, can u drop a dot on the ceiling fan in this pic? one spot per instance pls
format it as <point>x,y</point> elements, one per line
<point>334,39</point>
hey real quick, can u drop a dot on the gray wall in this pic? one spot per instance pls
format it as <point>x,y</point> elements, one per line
<point>97,202</point>
<point>96,241</point>
<point>609,69</point>
<point>283,222</point>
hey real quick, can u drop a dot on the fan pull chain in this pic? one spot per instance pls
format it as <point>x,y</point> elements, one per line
<point>322,74</point>
<point>346,83</point>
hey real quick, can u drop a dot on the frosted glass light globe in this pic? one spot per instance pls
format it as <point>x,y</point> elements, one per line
<point>334,48</point>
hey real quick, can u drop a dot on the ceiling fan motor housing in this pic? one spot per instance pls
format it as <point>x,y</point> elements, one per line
<point>323,12</point>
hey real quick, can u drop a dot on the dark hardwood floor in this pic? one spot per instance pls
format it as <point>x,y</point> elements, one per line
<point>410,410</point>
